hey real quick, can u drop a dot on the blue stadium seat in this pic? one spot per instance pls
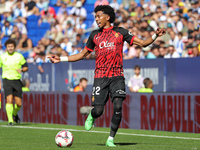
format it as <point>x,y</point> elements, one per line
<point>32,32</point>
<point>31,25</point>
<point>88,23</point>
<point>52,2</point>
<point>90,2</point>
<point>89,8</point>
<point>41,32</point>
<point>3,40</point>
<point>32,18</point>
<point>90,17</point>
<point>44,25</point>
<point>34,40</point>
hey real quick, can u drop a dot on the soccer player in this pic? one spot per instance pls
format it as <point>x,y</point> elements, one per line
<point>13,64</point>
<point>109,78</point>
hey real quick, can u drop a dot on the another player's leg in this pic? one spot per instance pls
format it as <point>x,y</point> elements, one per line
<point>17,107</point>
<point>9,109</point>
<point>115,122</point>
<point>96,112</point>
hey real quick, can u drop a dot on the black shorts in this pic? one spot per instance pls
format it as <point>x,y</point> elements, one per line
<point>12,87</point>
<point>103,87</point>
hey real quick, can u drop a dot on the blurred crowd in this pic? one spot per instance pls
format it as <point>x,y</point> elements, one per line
<point>69,30</point>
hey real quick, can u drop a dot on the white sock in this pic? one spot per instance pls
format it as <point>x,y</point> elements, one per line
<point>110,138</point>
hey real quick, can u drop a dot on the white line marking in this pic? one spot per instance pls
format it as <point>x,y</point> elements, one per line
<point>145,135</point>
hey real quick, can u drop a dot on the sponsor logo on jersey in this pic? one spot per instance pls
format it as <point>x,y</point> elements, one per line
<point>116,35</point>
<point>106,44</point>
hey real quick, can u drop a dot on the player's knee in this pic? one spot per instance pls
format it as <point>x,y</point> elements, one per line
<point>118,104</point>
<point>98,110</point>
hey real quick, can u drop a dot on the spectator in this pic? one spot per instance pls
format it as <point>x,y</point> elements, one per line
<point>136,81</point>
<point>19,11</point>
<point>78,11</point>
<point>173,39</point>
<point>101,2</point>
<point>25,85</point>
<point>16,36</point>
<point>20,23</point>
<point>8,5</point>
<point>62,9</point>
<point>114,4</point>
<point>6,30</point>
<point>2,6</point>
<point>172,53</point>
<point>82,85</point>
<point>148,85</point>
<point>31,8</point>
<point>25,44</point>
<point>162,52</point>
<point>48,14</point>
<point>79,42</point>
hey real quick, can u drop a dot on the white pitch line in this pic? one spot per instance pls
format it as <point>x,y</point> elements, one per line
<point>145,135</point>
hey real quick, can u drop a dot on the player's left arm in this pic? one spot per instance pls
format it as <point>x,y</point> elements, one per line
<point>144,43</point>
<point>24,65</point>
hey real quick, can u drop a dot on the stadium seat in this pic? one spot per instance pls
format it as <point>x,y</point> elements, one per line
<point>31,25</point>
<point>41,32</point>
<point>89,7</point>
<point>52,2</point>
<point>32,32</point>
<point>3,40</point>
<point>32,18</point>
<point>90,17</point>
<point>44,25</point>
<point>34,40</point>
<point>90,2</point>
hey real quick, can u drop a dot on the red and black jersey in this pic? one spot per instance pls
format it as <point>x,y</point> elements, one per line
<point>108,46</point>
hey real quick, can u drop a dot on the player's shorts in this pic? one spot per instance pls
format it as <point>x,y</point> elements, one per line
<point>105,87</point>
<point>12,87</point>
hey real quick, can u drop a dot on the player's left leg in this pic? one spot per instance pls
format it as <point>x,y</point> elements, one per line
<point>118,94</point>
<point>115,122</point>
<point>18,99</point>
<point>17,107</point>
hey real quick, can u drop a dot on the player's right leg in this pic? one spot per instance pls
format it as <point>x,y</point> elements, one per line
<point>9,109</point>
<point>99,99</point>
<point>95,113</point>
<point>8,92</point>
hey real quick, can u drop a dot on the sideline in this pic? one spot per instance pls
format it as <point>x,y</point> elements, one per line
<point>119,133</point>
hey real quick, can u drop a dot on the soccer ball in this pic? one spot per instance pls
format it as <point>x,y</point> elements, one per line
<point>64,138</point>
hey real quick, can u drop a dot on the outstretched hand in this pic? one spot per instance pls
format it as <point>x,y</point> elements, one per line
<point>54,58</point>
<point>160,32</point>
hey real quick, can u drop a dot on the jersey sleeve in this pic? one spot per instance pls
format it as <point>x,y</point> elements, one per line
<point>22,60</point>
<point>127,35</point>
<point>90,43</point>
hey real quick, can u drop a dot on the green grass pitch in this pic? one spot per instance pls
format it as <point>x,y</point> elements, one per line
<point>32,136</point>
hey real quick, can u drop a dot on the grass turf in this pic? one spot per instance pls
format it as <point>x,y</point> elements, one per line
<point>32,136</point>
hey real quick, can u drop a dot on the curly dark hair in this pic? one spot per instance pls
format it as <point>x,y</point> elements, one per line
<point>106,9</point>
<point>10,41</point>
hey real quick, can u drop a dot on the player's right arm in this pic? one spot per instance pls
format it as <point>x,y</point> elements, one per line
<point>87,50</point>
<point>72,58</point>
